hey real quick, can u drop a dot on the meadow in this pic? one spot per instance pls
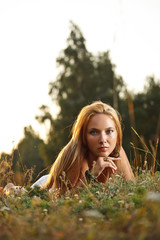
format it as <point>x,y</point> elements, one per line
<point>117,210</point>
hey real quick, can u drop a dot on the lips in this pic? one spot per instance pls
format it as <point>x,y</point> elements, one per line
<point>103,149</point>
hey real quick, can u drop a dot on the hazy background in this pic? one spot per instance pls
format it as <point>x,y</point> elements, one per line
<point>33,32</point>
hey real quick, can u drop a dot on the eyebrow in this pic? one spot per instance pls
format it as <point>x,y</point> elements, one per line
<point>98,128</point>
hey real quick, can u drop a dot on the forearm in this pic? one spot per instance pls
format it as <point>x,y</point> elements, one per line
<point>124,167</point>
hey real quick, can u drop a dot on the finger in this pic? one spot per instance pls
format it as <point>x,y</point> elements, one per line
<point>110,161</point>
<point>111,158</point>
<point>111,164</point>
<point>116,159</point>
<point>113,170</point>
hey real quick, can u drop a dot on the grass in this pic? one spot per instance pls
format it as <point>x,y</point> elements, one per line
<point>118,210</point>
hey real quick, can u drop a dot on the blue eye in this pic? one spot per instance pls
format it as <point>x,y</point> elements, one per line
<point>93,132</point>
<point>110,131</point>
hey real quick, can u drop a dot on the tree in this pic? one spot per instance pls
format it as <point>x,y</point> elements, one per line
<point>147,110</point>
<point>27,154</point>
<point>147,113</point>
<point>142,114</point>
<point>83,78</point>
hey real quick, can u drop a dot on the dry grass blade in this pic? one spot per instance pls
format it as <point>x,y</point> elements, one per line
<point>147,150</point>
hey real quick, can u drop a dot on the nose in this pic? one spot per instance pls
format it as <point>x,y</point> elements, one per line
<point>102,138</point>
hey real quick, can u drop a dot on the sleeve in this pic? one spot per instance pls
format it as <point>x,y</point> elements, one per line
<point>40,182</point>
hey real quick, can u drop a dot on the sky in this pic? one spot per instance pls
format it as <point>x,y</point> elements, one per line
<point>32,34</point>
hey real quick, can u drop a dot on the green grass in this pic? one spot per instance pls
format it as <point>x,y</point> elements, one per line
<point>118,210</point>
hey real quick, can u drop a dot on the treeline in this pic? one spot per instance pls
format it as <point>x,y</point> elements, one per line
<point>83,78</point>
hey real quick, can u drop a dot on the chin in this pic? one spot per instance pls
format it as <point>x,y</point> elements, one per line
<point>104,155</point>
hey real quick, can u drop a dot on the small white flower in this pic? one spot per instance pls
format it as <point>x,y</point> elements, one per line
<point>67,197</point>
<point>35,197</point>
<point>121,201</point>
<point>130,194</point>
<point>93,213</point>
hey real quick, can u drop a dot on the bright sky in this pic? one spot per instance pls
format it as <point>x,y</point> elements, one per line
<point>33,32</point>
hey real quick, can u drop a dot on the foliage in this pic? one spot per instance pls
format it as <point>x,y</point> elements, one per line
<point>27,155</point>
<point>147,121</point>
<point>147,110</point>
<point>6,171</point>
<point>83,78</point>
<point>118,210</point>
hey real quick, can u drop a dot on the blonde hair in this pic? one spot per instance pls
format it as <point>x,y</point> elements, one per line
<point>71,155</point>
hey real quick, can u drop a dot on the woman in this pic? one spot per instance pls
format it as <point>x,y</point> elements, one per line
<point>94,151</point>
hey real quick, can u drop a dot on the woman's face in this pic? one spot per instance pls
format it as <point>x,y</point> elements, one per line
<point>101,136</point>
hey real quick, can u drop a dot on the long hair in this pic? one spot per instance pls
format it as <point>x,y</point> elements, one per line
<point>68,163</point>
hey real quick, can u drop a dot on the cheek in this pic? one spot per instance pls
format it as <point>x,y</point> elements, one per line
<point>113,139</point>
<point>90,141</point>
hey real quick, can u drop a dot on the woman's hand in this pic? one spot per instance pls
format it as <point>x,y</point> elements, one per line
<point>102,163</point>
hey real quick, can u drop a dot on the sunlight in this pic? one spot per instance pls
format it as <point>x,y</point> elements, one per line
<point>34,32</point>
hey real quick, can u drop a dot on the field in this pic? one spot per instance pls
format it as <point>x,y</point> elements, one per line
<point>118,210</point>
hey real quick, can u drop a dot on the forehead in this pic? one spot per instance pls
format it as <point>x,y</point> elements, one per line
<point>101,121</point>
